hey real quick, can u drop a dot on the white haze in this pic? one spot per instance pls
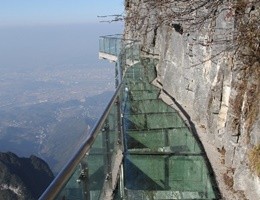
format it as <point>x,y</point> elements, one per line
<point>45,46</point>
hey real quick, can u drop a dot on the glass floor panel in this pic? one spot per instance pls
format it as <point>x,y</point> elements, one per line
<point>179,174</point>
<point>177,141</point>
<point>137,71</point>
<point>143,94</point>
<point>141,86</point>
<point>149,106</point>
<point>162,159</point>
<point>153,121</point>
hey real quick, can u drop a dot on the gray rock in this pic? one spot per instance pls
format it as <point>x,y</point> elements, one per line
<point>200,71</point>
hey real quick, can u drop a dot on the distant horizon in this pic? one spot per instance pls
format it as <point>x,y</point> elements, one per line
<point>36,33</point>
<point>38,45</point>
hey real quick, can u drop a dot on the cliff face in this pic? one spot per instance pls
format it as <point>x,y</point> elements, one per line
<point>23,178</point>
<point>201,66</point>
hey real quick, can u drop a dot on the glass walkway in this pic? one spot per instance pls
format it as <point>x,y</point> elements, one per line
<point>140,148</point>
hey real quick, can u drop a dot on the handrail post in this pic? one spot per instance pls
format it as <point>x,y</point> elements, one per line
<point>106,151</point>
<point>84,179</point>
<point>103,44</point>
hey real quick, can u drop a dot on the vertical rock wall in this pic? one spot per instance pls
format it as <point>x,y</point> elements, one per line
<point>205,76</point>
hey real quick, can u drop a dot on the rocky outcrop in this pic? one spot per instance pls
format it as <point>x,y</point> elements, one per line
<point>23,178</point>
<point>201,66</point>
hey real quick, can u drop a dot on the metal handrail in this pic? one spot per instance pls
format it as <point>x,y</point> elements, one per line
<point>62,178</point>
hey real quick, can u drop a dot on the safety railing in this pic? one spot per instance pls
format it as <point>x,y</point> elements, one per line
<point>92,172</point>
<point>124,52</point>
<point>110,44</point>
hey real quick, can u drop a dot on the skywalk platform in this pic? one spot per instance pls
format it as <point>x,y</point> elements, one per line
<point>140,149</point>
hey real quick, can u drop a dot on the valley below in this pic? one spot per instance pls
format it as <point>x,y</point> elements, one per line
<point>48,112</point>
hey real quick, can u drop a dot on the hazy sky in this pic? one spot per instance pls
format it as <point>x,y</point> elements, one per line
<point>35,33</point>
<point>31,12</point>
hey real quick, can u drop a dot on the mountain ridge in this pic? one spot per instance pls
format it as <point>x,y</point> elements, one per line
<point>23,178</point>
